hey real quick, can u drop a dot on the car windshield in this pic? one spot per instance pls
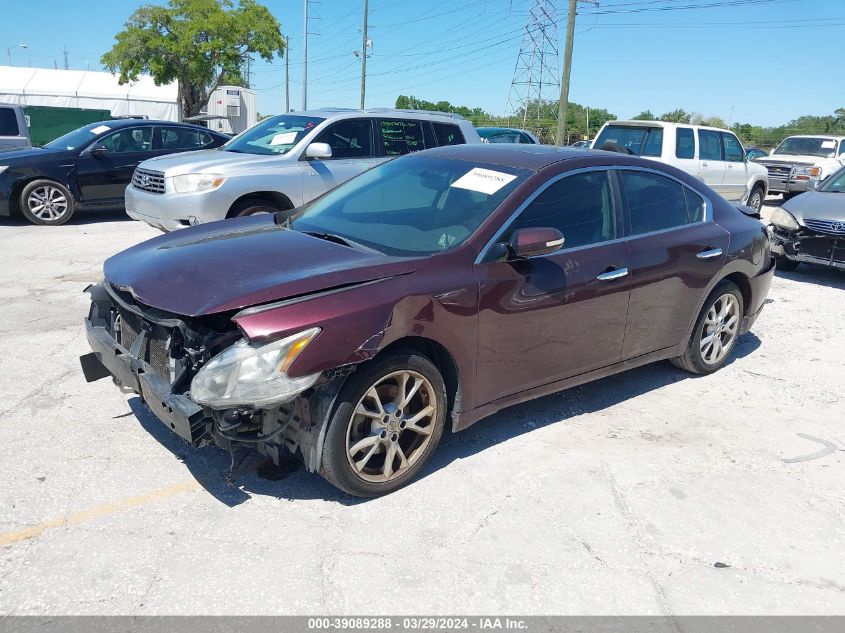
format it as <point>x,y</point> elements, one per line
<point>412,206</point>
<point>637,139</point>
<point>806,146</point>
<point>276,135</point>
<point>835,183</point>
<point>79,138</point>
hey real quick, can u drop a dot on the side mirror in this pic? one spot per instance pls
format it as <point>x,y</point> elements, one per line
<point>320,151</point>
<point>99,151</point>
<point>535,241</point>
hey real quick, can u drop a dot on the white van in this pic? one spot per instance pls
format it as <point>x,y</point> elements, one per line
<point>715,156</point>
<point>14,133</point>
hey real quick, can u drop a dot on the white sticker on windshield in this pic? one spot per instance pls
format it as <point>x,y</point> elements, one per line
<point>483,180</point>
<point>828,144</point>
<point>100,129</point>
<point>283,139</point>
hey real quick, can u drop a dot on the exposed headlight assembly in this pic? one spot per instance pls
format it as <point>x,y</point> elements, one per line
<point>783,219</point>
<point>254,375</point>
<point>191,183</point>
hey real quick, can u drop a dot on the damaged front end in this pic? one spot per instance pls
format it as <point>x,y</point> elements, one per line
<point>204,380</point>
<point>811,243</point>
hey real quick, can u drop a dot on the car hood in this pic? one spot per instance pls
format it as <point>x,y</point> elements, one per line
<point>210,160</point>
<point>20,156</point>
<point>793,159</point>
<point>817,205</point>
<point>233,264</point>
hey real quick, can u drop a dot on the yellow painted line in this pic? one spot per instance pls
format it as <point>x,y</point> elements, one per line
<point>100,511</point>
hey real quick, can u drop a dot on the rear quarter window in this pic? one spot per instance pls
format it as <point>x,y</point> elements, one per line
<point>8,122</point>
<point>448,134</point>
<point>401,136</point>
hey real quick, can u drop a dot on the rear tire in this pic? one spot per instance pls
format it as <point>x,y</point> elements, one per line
<point>46,202</point>
<point>392,409</point>
<point>253,206</point>
<point>782,262</point>
<point>716,331</point>
<point>755,198</point>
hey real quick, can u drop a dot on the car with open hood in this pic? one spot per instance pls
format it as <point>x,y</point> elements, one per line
<point>810,228</point>
<point>434,289</point>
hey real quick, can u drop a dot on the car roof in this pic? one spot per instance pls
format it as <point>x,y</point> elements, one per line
<point>834,137</point>
<point>338,113</point>
<point>501,129</point>
<point>119,124</point>
<point>665,124</point>
<point>532,157</point>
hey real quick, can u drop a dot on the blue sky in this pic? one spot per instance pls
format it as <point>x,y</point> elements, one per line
<point>761,61</point>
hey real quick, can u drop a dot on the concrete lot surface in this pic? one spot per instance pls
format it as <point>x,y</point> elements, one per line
<point>651,492</point>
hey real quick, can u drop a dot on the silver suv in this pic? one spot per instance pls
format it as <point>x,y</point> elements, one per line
<point>282,163</point>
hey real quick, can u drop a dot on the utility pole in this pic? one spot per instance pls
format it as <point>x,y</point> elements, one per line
<point>305,60</point>
<point>287,81</point>
<point>563,104</point>
<point>64,52</point>
<point>364,55</point>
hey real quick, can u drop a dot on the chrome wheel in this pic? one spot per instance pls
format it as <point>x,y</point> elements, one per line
<point>756,200</point>
<point>719,329</point>
<point>47,203</point>
<point>391,426</point>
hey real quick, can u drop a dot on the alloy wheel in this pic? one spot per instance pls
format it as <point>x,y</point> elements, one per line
<point>391,426</point>
<point>47,203</point>
<point>756,201</point>
<point>719,329</point>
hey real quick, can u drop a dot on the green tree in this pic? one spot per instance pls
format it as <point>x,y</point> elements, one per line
<point>645,115</point>
<point>677,116</point>
<point>199,43</point>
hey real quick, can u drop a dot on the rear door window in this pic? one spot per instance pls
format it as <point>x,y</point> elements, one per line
<point>8,122</point>
<point>709,145</point>
<point>684,143</point>
<point>129,140</point>
<point>173,138</point>
<point>656,203</point>
<point>401,136</point>
<point>732,148</point>
<point>448,134</point>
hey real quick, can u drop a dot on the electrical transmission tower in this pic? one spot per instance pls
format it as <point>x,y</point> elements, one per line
<point>536,78</point>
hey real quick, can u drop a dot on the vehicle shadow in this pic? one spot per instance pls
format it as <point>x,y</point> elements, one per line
<point>254,475</point>
<point>819,275</point>
<point>78,218</point>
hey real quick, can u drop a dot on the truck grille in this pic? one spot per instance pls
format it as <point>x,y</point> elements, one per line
<point>146,180</point>
<point>831,227</point>
<point>778,176</point>
<point>154,350</point>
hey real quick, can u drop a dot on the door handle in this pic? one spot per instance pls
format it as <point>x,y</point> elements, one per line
<point>704,164</point>
<point>709,253</point>
<point>610,275</point>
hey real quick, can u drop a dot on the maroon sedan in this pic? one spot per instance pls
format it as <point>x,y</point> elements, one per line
<point>434,289</point>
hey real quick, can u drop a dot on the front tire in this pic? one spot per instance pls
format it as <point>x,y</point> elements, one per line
<point>388,422</point>
<point>46,202</point>
<point>253,206</point>
<point>716,331</point>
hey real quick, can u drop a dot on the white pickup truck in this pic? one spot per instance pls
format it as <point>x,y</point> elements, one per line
<point>14,133</point>
<point>800,161</point>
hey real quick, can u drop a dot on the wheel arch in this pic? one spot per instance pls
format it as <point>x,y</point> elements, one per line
<point>742,282</point>
<point>276,197</point>
<point>438,354</point>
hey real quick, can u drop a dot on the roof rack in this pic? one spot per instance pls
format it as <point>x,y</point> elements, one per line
<point>453,115</point>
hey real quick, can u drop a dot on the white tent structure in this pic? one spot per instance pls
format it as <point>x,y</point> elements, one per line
<point>89,90</point>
